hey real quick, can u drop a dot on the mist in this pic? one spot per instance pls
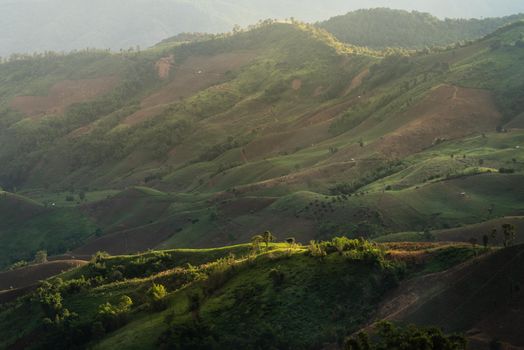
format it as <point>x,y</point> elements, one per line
<point>63,25</point>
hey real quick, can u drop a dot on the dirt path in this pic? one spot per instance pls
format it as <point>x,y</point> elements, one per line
<point>357,81</point>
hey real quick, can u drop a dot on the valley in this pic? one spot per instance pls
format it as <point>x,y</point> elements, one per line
<point>224,168</point>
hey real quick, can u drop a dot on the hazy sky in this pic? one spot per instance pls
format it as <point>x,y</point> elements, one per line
<point>64,25</point>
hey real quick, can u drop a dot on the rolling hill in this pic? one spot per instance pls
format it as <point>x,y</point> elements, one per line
<point>281,295</point>
<point>147,171</point>
<point>383,27</point>
<point>281,127</point>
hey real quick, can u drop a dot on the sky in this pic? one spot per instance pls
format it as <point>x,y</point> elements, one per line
<point>28,26</point>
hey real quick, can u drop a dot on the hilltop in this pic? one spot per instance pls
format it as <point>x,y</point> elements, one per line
<point>286,294</point>
<point>383,27</point>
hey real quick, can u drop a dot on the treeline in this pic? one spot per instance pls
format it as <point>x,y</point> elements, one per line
<point>380,28</point>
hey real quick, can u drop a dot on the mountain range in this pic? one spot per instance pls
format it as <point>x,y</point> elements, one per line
<point>270,187</point>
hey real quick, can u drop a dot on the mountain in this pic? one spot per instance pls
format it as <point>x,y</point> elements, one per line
<point>29,26</point>
<point>144,173</point>
<point>281,128</point>
<point>382,27</point>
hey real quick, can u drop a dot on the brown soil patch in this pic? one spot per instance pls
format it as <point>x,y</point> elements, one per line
<point>163,66</point>
<point>476,297</point>
<point>84,130</point>
<point>194,74</point>
<point>448,112</point>
<point>296,84</point>
<point>63,94</point>
<point>287,141</point>
<point>126,210</point>
<point>130,241</point>
<point>357,81</point>
<point>31,275</point>
<point>325,114</point>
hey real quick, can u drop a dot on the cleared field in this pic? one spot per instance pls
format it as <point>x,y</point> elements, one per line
<point>63,94</point>
<point>31,275</point>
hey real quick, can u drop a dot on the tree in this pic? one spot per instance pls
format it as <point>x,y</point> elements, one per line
<point>256,241</point>
<point>509,233</point>
<point>156,295</point>
<point>41,257</point>
<point>267,238</point>
<point>412,337</point>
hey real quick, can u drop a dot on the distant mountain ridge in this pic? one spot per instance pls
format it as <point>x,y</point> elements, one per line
<point>383,27</point>
<point>29,26</point>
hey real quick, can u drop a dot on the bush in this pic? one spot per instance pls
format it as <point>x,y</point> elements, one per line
<point>115,316</point>
<point>156,295</point>
<point>412,337</point>
<point>316,250</point>
<point>219,273</point>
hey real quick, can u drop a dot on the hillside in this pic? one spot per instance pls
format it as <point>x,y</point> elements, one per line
<point>383,27</point>
<point>281,127</point>
<point>283,294</point>
<point>483,298</point>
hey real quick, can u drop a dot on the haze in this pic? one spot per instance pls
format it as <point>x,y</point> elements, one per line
<point>63,25</point>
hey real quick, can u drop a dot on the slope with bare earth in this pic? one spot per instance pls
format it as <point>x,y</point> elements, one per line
<point>31,275</point>
<point>63,94</point>
<point>193,75</point>
<point>482,297</point>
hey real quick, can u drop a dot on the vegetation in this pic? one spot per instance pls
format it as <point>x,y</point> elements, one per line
<point>412,30</point>
<point>393,337</point>
<point>276,131</point>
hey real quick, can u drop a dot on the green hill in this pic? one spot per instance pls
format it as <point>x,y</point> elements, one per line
<point>284,295</point>
<point>281,127</point>
<point>383,27</point>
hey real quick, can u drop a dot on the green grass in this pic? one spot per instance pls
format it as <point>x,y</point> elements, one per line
<point>315,301</point>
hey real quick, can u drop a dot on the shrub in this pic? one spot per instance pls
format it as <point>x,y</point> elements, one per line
<point>218,274</point>
<point>41,257</point>
<point>156,295</point>
<point>316,250</point>
<point>115,316</point>
<point>412,337</point>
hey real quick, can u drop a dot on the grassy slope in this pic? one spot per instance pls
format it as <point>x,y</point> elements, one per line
<point>27,226</point>
<point>322,300</point>
<point>254,137</point>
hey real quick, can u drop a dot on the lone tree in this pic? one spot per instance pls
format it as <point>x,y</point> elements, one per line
<point>268,237</point>
<point>40,257</point>
<point>157,294</point>
<point>256,241</point>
